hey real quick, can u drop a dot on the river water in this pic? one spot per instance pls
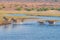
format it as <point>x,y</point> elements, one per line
<point>31,31</point>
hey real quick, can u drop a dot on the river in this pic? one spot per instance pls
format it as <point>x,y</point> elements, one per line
<point>31,31</point>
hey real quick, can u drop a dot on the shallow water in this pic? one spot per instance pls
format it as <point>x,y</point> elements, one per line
<point>43,17</point>
<point>33,31</point>
<point>16,15</point>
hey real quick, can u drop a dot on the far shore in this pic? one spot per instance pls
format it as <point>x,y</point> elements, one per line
<point>3,13</point>
<point>32,13</point>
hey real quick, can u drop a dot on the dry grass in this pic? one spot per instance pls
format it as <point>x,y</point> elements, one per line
<point>36,13</point>
<point>14,5</point>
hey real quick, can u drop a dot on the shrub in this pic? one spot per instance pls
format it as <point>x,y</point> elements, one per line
<point>45,9</point>
<point>3,7</point>
<point>58,9</point>
<point>42,9</point>
<point>52,9</point>
<point>28,9</point>
<point>18,9</point>
<point>33,8</point>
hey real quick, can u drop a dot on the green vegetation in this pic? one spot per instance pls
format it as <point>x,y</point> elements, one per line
<point>52,8</point>
<point>42,9</point>
<point>45,9</point>
<point>55,9</point>
<point>58,9</point>
<point>28,9</point>
<point>33,8</point>
<point>18,9</point>
<point>38,9</point>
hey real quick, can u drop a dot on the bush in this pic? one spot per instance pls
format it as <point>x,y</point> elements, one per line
<point>58,9</point>
<point>18,9</point>
<point>42,9</point>
<point>3,7</point>
<point>45,9</point>
<point>52,9</point>
<point>33,8</point>
<point>28,9</point>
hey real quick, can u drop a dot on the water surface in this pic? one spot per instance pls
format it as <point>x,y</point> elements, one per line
<point>33,31</point>
<point>43,17</point>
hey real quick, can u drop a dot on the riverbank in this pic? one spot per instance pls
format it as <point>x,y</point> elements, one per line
<point>3,13</point>
<point>32,13</point>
